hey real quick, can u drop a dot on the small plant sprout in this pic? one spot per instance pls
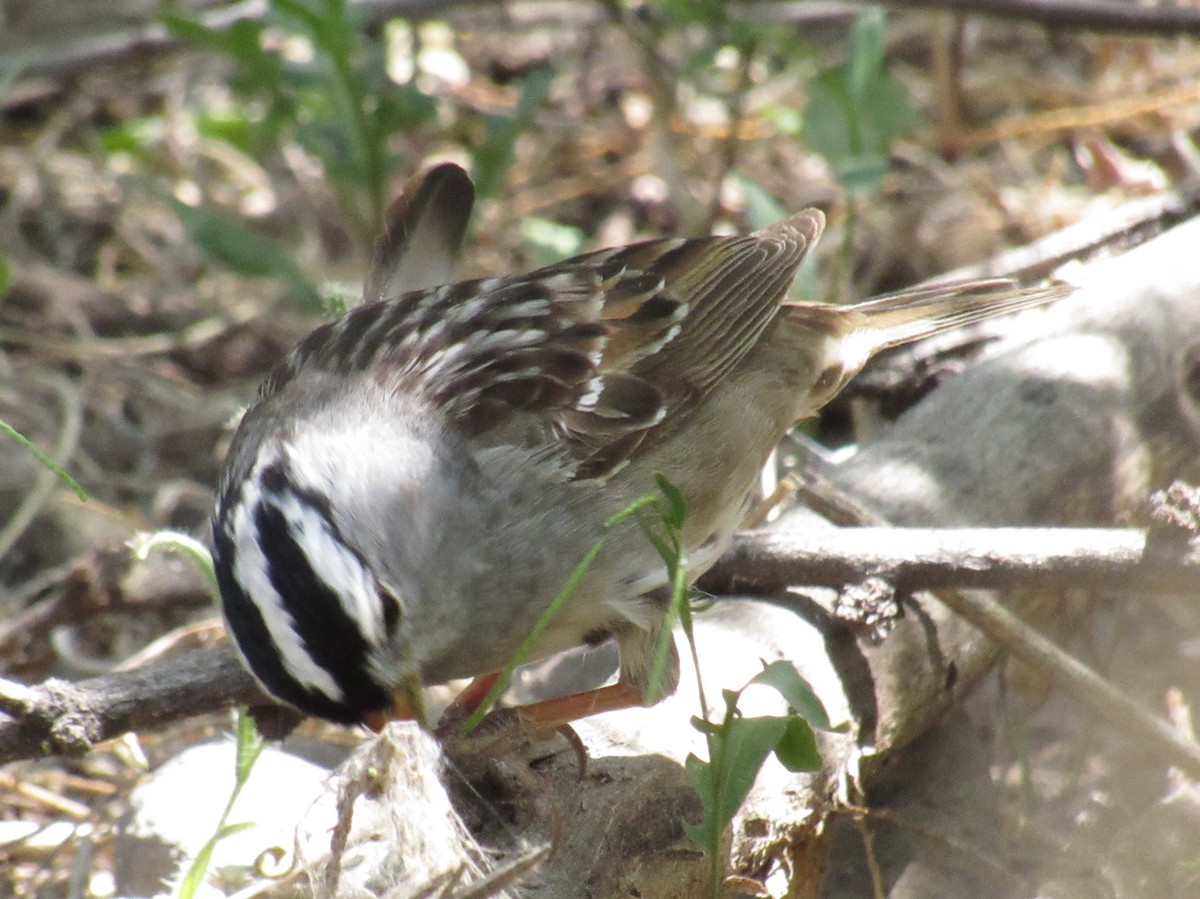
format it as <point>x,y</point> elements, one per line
<point>249,747</point>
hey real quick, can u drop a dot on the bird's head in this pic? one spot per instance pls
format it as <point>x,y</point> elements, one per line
<point>314,623</point>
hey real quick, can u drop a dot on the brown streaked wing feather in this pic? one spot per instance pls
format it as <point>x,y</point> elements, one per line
<point>733,288</point>
<point>584,358</point>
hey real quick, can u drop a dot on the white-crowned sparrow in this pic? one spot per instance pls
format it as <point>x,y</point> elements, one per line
<point>417,480</point>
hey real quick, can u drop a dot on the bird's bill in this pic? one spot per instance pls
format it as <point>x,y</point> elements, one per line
<point>407,705</point>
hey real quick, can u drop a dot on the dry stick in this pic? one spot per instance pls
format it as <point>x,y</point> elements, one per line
<point>975,558</point>
<point>1079,681</point>
<point>62,717</point>
<point>990,558</point>
<point>1124,227</point>
<point>105,49</point>
<point>1125,18</point>
<point>1073,118</point>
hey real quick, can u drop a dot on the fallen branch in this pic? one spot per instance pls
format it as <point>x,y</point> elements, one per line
<point>70,718</point>
<point>967,558</point>
<point>992,558</point>
<point>1120,18</point>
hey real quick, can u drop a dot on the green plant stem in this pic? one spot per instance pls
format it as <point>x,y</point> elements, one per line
<point>249,747</point>
<point>350,97</point>
<point>58,470</point>
<point>519,657</point>
<point>685,622</point>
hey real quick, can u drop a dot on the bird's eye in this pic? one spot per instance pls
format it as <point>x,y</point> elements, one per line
<point>391,610</point>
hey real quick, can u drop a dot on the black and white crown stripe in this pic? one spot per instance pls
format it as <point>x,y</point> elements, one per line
<point>304,607</point>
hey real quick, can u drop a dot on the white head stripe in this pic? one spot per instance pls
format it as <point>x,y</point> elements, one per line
<point>335,564</point>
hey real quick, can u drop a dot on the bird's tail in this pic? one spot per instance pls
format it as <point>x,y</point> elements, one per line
<point>908,315</point>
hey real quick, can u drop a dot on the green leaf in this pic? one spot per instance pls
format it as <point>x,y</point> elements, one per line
<point>249,746</point>
<point>646,499</point>
<point>247,252</point>
<point>747,743</point>
<point>491,159</point>
<point>762,209</point>
<point>661,544</point>
<point>231,127</point>
<point>828,116</point>
<point>405,108</point>
<point>865,60</point>
<point>857,111</point>
<point>196,33</point>
<point>796,691</point>
<point>697,833</point>
<point>241,41</point>
<point>797,747</point>
<point>229,830</point>
<point>699,774</point>
<point>308,17</point>
<point>676,510</point>
<point>552,242</point>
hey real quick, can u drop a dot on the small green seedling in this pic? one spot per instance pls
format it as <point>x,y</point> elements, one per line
<point>249,747</point>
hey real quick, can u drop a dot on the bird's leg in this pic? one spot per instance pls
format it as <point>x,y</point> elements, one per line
<point>639,650</point>
<point>504,729</point>
<point>469,698</point>
<point>552,713</point>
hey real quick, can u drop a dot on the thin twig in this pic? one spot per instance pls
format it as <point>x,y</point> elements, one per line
<point>104,49</point>
<point>1075,678</point>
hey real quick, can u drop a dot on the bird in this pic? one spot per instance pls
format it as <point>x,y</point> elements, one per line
<point>417,481</point>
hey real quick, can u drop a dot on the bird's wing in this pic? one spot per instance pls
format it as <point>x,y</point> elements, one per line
<point>581,359</point>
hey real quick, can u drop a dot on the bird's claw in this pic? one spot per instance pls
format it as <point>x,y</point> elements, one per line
<point>501,733</point>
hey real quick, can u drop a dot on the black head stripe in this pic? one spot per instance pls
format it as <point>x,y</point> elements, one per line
<point>329,635</point>
<point>250,633</point>
<point>326,632</point>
